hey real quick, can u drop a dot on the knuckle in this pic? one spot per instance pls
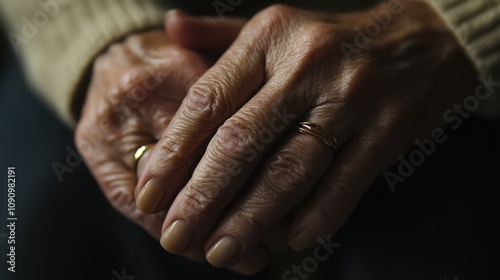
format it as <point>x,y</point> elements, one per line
<point>234,140</point>
<point>134,39</point>
<point>129,90</point>
<point>288,175</point>
<point>199,199</point>
<point>99,62</point>
<point>272,22</point>
<point>321,35</point>
<point>277,12</point>
<point>106,59</point>
<point>206,102</point>
<point>175,154</point>
<point>317,41</point>
<point>239,141</point>
<point>132,78</point>
<point>324,213</point>
<point>251,220</point>
<point>116,48</point>
<point>357,77</point>
<point>120,197</point>
<point>346,186</point>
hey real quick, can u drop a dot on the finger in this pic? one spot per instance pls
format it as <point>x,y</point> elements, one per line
<point>285,179</point>
<point>142,162</point>
<point>159,89</point>
<point>151,194</point>
<point>340,190</point>
<point>234,151</point>
<point>232,156</point>
<point>108,145</point>
<point>216,96</point>
<point>230,159</point>
<point>254,262</point>
<point>117,181</point>
<point>202,33</point>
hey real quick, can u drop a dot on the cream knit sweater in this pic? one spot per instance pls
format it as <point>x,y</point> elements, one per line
<point>59,39</point>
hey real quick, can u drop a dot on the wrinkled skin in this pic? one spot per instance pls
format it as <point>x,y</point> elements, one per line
<point>136,88</point>
<point>285,67</point>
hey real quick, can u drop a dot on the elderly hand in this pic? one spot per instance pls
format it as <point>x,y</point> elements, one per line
<point>375,80</point>
<point>136,88</point>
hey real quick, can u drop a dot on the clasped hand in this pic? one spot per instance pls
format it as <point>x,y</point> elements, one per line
<point>230,177</point>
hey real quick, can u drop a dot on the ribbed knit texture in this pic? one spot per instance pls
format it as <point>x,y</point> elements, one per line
<point>57,57</point>
<point>476,24</point>
<point>60,52</point>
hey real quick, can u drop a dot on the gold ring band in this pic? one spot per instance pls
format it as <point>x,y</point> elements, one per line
<point>139,153</point>
<point>319,131</point>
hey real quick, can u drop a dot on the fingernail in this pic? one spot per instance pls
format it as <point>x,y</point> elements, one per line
<point>300,242</point>
<point>150,196</point>
<point>177,237</point>
<point>224,251</point>
<point>176,12</point>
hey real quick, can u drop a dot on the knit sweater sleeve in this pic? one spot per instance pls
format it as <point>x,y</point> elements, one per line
<point>476,24</point>
<point>59,39</point>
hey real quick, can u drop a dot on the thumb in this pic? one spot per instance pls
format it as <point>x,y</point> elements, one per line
<point>202,33</point>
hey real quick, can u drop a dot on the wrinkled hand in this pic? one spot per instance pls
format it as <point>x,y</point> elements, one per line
<point>289,66</point>
<point>136,88</point>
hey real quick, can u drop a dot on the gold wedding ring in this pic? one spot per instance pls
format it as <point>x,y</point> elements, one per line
<point>319,131</point>
<point>139,153</point>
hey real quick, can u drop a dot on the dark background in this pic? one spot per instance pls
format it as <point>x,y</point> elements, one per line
<point>442,223</point>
